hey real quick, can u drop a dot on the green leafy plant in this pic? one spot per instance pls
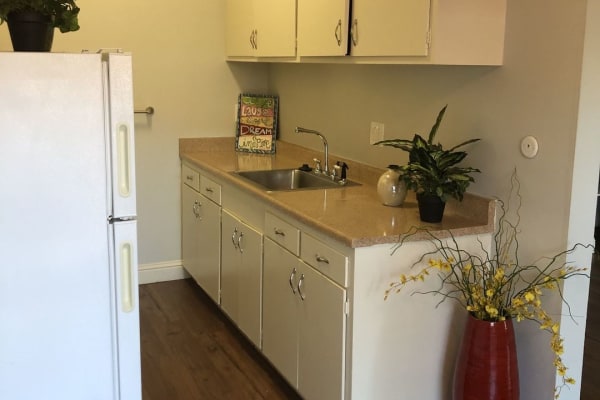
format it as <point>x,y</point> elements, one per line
<point>431,170</point>
<point>63,13</point>
<point>494,285</point>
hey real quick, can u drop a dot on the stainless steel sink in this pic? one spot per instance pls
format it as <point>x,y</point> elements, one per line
<point>291,179</point>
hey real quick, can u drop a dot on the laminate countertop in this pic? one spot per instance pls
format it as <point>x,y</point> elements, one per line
<point>352,215</point>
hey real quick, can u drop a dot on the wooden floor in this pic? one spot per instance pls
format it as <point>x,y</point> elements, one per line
<point>590,383</point>
<point>191,352</point>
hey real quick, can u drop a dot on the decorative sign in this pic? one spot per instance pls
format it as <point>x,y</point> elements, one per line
<point>256,123</point>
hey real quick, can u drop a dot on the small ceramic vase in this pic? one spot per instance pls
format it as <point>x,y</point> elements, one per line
<point>390,188</point>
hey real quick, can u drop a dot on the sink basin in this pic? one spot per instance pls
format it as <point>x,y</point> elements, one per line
<point>290,179</point>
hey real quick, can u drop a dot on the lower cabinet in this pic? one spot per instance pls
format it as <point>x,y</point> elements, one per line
<point>201,247</point>
<point>241,275</point>
<point>304,324</point>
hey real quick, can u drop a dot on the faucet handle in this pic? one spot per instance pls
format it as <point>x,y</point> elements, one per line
<point>344,167</point>
<point>317,165</point>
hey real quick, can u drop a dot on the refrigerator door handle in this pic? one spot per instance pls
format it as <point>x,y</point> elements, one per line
<point>123,163</point>
<point>127,304</point>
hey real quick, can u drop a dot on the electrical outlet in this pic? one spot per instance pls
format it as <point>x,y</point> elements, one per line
<point>376,132</point>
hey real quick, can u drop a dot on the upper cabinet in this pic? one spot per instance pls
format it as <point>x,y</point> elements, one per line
<point>323,27</point>
<point>457,32</point>
<point>260,28</point>
<point>390,28</point>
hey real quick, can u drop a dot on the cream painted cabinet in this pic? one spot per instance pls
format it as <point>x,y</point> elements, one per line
<point>323,27</point>
<point>304,324</point>
<point>260,28</point>
<point>462,32</point>
<point>241,275</point>
<point>390,28</point>
<point>201,238</point>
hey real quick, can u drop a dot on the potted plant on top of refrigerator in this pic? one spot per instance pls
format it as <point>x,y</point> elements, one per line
<point>432,172</point>
<point>31,23</point>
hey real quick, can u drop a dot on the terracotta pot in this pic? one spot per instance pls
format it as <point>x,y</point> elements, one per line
<point>431,207</point>
<point>487,368</point>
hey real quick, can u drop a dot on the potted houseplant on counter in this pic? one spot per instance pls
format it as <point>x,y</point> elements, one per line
<point>31,23</point>
<point>495,288</point>
<point>432,172</point>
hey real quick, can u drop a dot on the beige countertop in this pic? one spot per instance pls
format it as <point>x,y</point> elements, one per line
<point>352,215</point>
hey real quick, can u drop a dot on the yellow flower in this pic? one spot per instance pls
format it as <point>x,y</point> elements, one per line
<point>489,292</point>
<point>529,296</point>
<point>467,267</point>
<point>492,311</point>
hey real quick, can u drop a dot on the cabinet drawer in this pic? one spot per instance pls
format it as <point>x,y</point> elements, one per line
<point>190,177</point>
<point>210,189</point>
<point>285,234</point>
<point>328,261</point>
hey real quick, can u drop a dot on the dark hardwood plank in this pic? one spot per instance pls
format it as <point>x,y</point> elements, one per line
<point>590,384</point>
<point>190,350</point>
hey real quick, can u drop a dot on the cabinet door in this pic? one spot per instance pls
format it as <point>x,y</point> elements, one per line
<point>261,28</point>
<point>280,324</point>
<point>322,336</point>
<point>239,31</point>
<point>390,27</point>
<point>323,27</point>
<point>275,24</point>
<point>241,275</point>
<point>208,271</point>
<point>190,229</point>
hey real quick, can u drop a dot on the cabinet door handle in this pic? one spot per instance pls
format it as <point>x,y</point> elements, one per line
<point>196,209</point>
<point>354,32</point>
<point>209,189</point>
<point>239,242</point>
<point>300,281</point>
<point>189,178</point>
<point>338,32</point>
<point>292,275</point>
<point>279,232</point>
<point>252,38</point>
<point>233,235</point>
<point>321,259</point>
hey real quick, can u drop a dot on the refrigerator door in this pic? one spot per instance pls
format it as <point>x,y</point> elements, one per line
<point>59,335</point>
<point>119,115</point>
<point>124,267</point>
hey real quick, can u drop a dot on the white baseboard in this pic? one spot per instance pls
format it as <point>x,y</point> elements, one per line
<point>161,272</point>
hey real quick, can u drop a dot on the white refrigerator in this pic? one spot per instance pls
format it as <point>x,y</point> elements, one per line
<point>69,316</point>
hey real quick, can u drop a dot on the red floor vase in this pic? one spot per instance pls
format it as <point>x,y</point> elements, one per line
<point>487,368</point>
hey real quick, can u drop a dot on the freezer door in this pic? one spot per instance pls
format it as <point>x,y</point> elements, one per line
<point>124,267</point>
<point>120,132</point>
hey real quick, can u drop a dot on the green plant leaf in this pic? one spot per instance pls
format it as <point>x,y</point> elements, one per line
<point>435,126</point>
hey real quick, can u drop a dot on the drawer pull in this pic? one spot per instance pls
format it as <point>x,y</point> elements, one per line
<point>292,275</point>
<point>189,178</point>
<point>209,189</point>
<point>300,281</point>
<point>321,259</point>
<point>279,232</point>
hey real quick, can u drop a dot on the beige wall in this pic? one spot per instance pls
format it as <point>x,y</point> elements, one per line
<point>179,69</point>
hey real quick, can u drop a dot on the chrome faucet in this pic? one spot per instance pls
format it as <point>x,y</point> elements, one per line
<point>325,146</point>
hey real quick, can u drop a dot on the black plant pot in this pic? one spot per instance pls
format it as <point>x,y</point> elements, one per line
<point>431,207</point>
<point>30,31</point>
